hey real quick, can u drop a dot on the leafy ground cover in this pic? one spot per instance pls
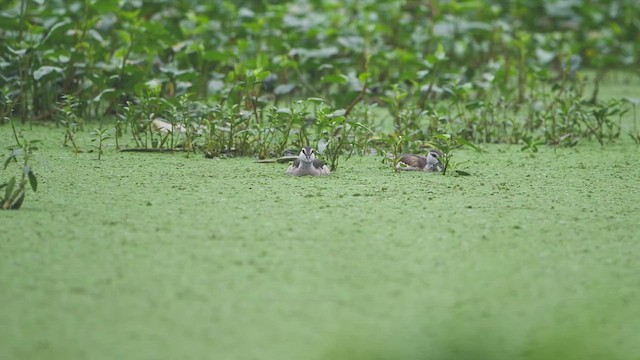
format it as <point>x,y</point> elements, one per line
<point>163,256</point>
<point>190,250</point>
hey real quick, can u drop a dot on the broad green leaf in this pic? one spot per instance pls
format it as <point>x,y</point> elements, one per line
<point>364,77</point>
<point>544,57</point>
<point>12,157</point>
<point>261,75</point>
<point>422,74</point>
<point>467,143</point>
<point>44,71</point>
<point>215,86</point>
<point>52,30</point>
<point>335,79</point>
<point>19,52</point>
<point>338,113</point>
<point>125,36</point>
<point>320,53</point>
<point>440,54</point>
<point>359,124</point>
<point>284,89</point>
<point>129,15</point>
<point>430,61</point>
<point>315,100</point>
<point>104,92</point>
<point>33,181</point>
<point>213,55</point>
<point>445,137</point>
<point>10,185</point>
<point>322,146</point>
<point>17,203</point>
<point>154,84</point>
<point>105,6</point>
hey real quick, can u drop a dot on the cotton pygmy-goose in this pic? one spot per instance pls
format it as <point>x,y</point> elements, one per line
<point>429,163</point>
<point>308,164</point>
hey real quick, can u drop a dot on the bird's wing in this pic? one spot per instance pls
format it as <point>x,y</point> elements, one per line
<point>318,164</point>
<point>296,163</point>
<point>414,161</point>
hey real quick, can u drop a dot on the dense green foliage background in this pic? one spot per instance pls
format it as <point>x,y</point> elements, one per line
<point>149,255</point>
<point>488,71</point>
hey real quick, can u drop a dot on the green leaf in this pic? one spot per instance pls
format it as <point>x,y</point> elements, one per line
<point>9,190</point>
<point>125,36</point>
<point>360,125</point>
<point>52,30</point>
<point>261,75</point>
<point>18,202</point>
<point>322,146</point>
<point>467,143</point>
<point>12,157</point>
<point>445,137</point>
<point>19,52</point>
<point>284,89</point>
<point>337,113</point>
<point>105,6</point>
<point>422,74</point>
<point>32,180</point>
<point>544,57</point>
<point>364,77</point>
<point>44,71</point>
<point>129,15</point>
<point>104,92</point>
<point>335,79</point>
<point>213,55</point>
<point>17,152</point>
<point>316,100</point>
<point>430,61</point>
<point>440,54</point>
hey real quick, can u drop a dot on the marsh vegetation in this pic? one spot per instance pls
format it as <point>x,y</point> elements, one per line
<point>155,234</point>
<point>257,79</point>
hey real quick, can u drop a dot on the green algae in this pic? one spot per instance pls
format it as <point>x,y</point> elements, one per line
<point>165,256</point>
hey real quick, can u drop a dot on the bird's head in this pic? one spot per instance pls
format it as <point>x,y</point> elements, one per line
<point>307,154</point>
<point>434,158</point>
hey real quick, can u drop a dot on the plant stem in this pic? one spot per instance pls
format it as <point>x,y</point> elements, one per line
<point>15,134</point>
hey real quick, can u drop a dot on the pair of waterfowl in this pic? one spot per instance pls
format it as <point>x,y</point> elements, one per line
<point>307,164</point>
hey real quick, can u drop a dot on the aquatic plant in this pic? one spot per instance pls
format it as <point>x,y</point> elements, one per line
<point>70,121</point>
<point>99,136</point>
<point>15,190</point>
<point>448,144</point>
<point>488,74</point>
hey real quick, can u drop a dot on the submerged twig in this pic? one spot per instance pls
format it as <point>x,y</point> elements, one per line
<point>282,159</point>
<point>148,150</point>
